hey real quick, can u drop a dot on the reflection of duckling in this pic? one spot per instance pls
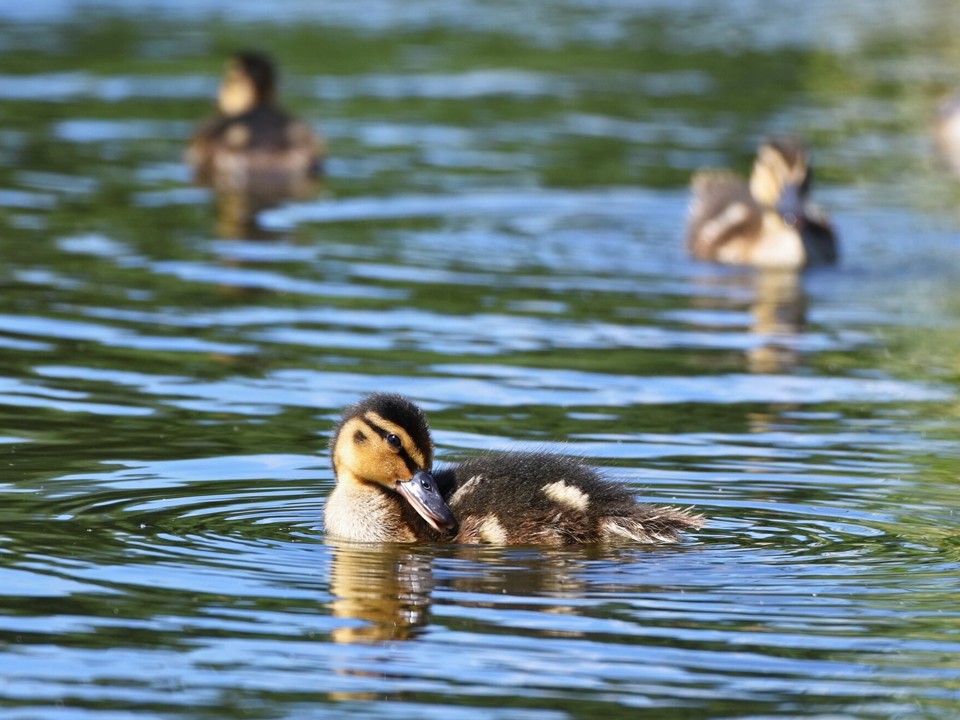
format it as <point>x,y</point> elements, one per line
<point>780,314</point>
<point>382,454</point>
<point>766,223</point>
<point>386,588</point>
<point>253,141</point>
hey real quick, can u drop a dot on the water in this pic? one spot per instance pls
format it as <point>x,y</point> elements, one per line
<point>500,239</point>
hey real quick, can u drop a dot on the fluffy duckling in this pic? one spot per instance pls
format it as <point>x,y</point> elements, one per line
<point>382,458</point>
<point>252,139</point>
<point>766,223</point>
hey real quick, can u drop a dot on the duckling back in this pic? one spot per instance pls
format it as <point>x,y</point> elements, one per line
<point>542,499</point>
<point>264,146</point>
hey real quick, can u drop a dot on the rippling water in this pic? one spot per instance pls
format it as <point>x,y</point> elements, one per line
<point>499,237</point>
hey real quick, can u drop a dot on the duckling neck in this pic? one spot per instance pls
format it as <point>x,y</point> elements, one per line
<point>367,512</point>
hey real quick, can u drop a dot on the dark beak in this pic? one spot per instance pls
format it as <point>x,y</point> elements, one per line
<point>422,493</point>
<point>790,206</point>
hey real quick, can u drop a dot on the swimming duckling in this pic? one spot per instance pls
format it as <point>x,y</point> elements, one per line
<point>253,140</point>
<point>767,223</point>
<point>947,133</point>
<point>382,458</point>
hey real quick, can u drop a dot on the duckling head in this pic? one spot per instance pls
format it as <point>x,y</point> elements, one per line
<point>249,80</point>
<point>384,440</point>
<point>781,178</point>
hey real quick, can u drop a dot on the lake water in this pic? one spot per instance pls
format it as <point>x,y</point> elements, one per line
<point>500,238</point>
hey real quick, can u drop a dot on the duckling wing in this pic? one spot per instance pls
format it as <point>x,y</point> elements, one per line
<point>307,147</point>
<point>539,498</point>
<point>722,211</point>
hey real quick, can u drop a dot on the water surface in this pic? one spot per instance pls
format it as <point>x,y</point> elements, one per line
<point>500,238</point>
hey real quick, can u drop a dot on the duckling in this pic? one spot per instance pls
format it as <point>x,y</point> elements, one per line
<point>386,491</point>
<point>253,140</point>
<point>766,223</point>
<point>947,133</point>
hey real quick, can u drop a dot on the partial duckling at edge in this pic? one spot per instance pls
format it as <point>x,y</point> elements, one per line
<point>766,223</point>
<point>252,140</point>
<point>385,491</point>
<point>947,133</point>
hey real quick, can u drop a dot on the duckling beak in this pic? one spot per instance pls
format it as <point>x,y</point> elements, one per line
<point>790,206</point>
<point>422,493</point>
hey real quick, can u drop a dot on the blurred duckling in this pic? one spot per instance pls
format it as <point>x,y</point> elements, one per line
<point>252,141</point>
<point>382,456</point>
<point>766,223</point>
<point>947,133</point>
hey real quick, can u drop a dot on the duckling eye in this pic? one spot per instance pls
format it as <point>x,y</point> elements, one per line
<point>393,440</point>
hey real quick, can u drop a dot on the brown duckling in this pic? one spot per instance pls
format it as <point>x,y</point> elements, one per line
<point>252,140</point>
<point>386,491</point>
<point>768,222</point>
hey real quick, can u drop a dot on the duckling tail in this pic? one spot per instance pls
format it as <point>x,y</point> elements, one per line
<point>650,524</point>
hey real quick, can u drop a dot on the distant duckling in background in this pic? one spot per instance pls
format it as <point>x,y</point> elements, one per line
<point>947,133</point>
<point>253,141</point>
<point>766,223</point>
<point>385,491</point>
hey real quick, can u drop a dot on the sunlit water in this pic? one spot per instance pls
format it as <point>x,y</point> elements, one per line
<point>500,238</point>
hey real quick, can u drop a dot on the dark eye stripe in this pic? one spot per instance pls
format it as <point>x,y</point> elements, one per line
<point>412,466</point>
<point>408,461</point>
<point>376,428</point>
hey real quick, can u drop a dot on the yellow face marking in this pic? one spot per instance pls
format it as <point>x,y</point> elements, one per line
<point>363,454</point>
<point>765,185</point>
<point>347,453</point>
<point>772,173</point>
<point>415,453</point>
<point>237,94</point>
